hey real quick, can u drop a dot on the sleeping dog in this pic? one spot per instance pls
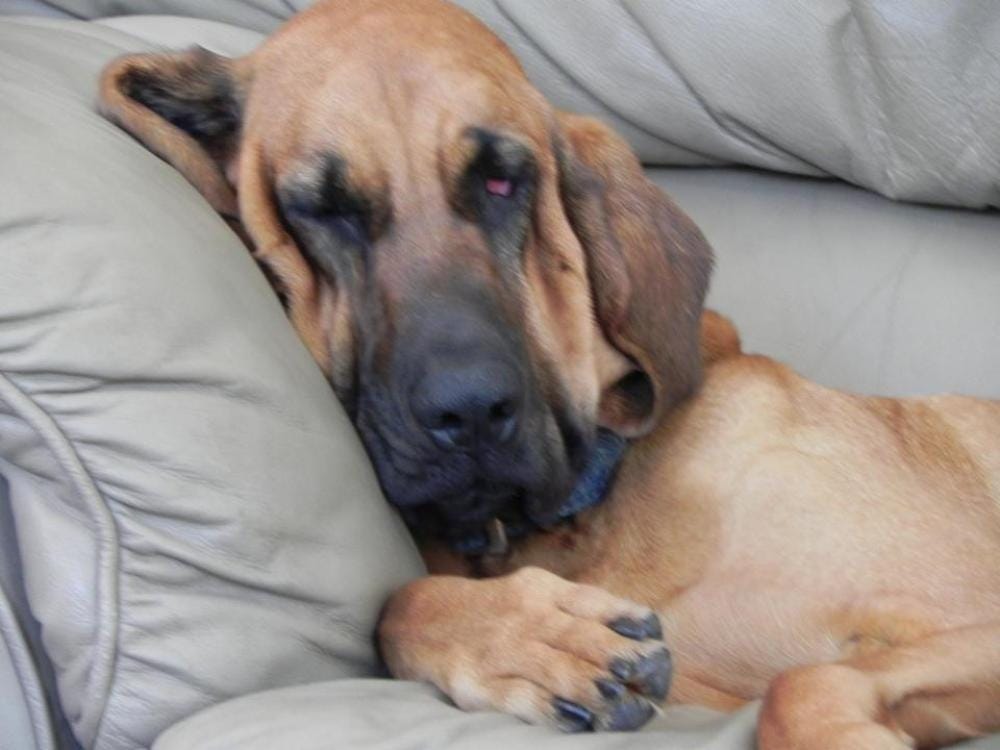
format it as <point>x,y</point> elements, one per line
<point>512,315</point>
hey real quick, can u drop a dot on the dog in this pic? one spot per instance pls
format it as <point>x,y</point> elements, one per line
<point>510,312</point>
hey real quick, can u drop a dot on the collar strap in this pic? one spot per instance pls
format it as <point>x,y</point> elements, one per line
<point>590,490</point>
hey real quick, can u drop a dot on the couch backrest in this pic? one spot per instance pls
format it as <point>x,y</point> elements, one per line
<point>901,98</point>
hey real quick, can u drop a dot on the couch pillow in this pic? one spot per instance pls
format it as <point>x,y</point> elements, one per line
<point>194,516</point>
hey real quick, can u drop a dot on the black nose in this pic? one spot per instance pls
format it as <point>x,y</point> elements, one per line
<point>469,405</point>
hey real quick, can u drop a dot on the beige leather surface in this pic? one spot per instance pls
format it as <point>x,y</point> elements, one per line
<point>853,290</point>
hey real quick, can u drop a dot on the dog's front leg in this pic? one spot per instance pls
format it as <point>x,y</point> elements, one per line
<point>531,644</point>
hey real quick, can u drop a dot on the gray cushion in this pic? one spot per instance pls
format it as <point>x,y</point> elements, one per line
<point>380,715</point>
<point>902,98</point>
<point>854,290</point>
<point>194,517</point>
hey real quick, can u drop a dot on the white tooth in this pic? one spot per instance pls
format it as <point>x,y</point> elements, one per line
<point>496,532</point>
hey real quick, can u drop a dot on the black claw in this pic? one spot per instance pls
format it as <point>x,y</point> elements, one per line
<point>653,673</point>
<point>622,668</point>
<point>638,630</point>
<point>572,716</point>
<point>628,715</point>
<point>629,628</point>
<point>609,689</point>
<point>654,629</point>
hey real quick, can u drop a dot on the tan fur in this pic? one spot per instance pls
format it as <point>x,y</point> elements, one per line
<point>837,555</point>
<point>778,524</point>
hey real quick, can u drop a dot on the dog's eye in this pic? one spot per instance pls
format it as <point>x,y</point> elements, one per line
<point>502,187</point>
<point>350,226</point>
<point>349,222</point>
<point>498,182</point>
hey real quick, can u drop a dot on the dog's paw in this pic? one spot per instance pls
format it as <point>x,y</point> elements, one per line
<point>531,644</point>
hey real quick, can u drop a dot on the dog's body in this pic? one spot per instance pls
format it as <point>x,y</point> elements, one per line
<point>486,281</point>
<point>774,524</point>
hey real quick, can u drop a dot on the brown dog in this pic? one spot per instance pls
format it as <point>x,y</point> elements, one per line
<point>486,282</point>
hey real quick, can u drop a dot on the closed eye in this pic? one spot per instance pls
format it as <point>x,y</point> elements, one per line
<point>347,218</point>
<point>350,226</point>
<point>324,199</point>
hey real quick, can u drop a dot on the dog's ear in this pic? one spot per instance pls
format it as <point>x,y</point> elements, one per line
<point>186,107</point>
<point>648,267</point>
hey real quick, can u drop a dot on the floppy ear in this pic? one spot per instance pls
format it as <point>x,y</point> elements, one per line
<point>186,107</point>
<point>648,267</point>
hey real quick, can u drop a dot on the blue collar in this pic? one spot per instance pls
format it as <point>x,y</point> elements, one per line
<point>590,490</point>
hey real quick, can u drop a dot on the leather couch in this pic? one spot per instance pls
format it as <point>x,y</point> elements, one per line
<point>193,548</point>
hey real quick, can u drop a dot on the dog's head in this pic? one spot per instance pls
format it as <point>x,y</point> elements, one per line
<point>484,280</point>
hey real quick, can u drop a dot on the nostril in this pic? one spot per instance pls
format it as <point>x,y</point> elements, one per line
<point>450,430</point>
<point>501,410</point>
<point>502,419</point>
<point>449,421</point>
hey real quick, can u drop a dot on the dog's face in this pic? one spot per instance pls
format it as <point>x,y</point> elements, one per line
<point>484,280</point>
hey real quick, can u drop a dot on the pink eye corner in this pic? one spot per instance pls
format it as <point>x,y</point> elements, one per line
<point>499,187</point>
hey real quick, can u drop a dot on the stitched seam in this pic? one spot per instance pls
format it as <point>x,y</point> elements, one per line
<point>108,549</point>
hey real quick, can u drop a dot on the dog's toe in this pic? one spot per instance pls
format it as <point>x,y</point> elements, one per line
<point>653,674</point>
<point>627,714</point>
<point>638,629</point>
<point>648,674</point>
<point>572,717</point>
<point>621,710</point>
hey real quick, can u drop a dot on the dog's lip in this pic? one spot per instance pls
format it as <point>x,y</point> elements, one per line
<point>517,515</point>
<point>470,513</point>
<point>484,502</point>
<point>543,521</point>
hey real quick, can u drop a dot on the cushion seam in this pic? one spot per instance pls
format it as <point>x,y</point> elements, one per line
<point>108,547</point>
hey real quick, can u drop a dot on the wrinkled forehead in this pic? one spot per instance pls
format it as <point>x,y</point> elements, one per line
<point>388,95</point>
